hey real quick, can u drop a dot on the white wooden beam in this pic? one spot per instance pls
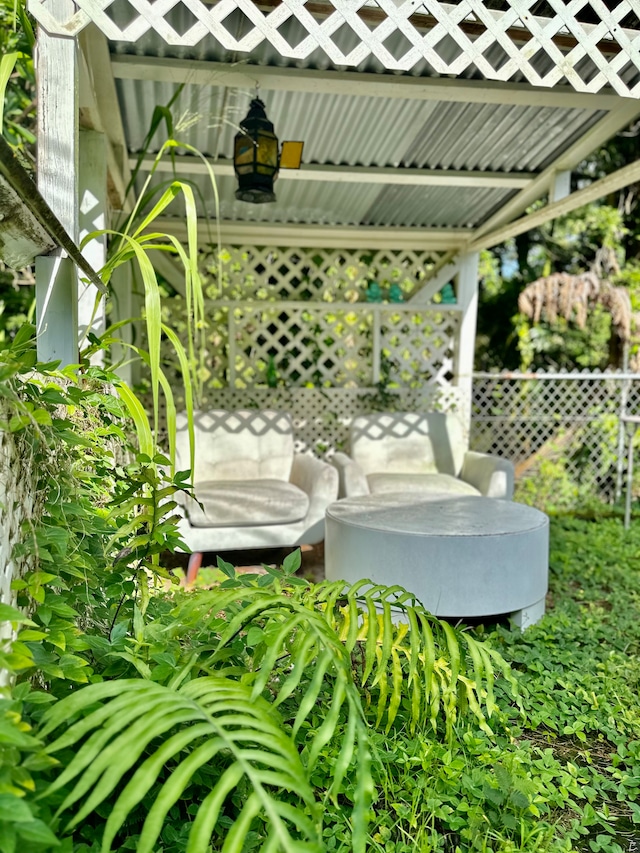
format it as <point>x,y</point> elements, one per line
<point>270,78</point>
<point>166,265</point>
<point>624,114</point>
<point>191,165</point>
<point>611,183</point>
<point>57,168</point>
<point>100,110</point>
<point>318,236</point>
<point>92,217</point>
<point>435,284</point>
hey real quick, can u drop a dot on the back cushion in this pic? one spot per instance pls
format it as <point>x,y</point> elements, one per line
<point>408,443</point>
<point>242,445</point>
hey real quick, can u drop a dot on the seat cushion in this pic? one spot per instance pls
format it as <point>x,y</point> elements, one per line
<point>408,443</point>
<point>247,444</point>
<point>438,485</point>
<point>246,503</point>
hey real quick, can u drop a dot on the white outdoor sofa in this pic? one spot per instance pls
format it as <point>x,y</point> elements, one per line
<point>422,454</point>
<point>252,490</point>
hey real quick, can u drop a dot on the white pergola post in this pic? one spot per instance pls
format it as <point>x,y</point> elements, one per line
<point>123,306</point>
<point>56,281</point>
<point>92,217</point>
<point>467,298</point>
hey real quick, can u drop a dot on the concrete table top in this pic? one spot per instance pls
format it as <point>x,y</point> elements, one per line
<point>465,556</point>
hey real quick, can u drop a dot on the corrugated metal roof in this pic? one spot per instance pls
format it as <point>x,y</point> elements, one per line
<point>352,131</point>
<point>436,207</point>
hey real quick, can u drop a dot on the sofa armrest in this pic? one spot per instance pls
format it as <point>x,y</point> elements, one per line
<point>319,480</point>
<point>352,479</point>
<point>491,475</point>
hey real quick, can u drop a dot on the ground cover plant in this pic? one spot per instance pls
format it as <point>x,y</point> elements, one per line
<point>273,714</point>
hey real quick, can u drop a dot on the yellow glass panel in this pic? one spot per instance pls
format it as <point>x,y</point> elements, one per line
<point>291,155</point>
<point>268,151</point>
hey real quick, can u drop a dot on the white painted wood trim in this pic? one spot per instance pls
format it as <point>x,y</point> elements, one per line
<point>319,236</point>
<point>57,169</point>
<point>57,308</point>
<point>467,297</point>
<point>106,115</point>
<point>231,349</point>
<point>92,212</point>
<point>376,347</point>
<point>369,307</point>
<point>245,76</point>
<point>167,266</point>
<point>123,308</point>
<point>611,183</point>
<point>561,185</point>
<point>190,165</point>
<point>435,284</point>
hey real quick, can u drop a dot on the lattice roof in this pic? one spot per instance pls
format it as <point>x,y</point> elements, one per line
<point>589,45</point>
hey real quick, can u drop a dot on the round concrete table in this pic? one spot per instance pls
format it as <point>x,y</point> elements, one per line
<point>466,556</point>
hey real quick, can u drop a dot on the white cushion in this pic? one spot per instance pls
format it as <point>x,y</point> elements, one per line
<point>246,503</point>
<point>408,443</point>
<point>242,445</point>
<point>438,485</point>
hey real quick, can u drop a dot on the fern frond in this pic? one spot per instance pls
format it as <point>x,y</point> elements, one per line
<point>406,651</point>
<point>139,727</point>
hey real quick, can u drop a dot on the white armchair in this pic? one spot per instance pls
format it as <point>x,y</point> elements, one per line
<point>421,454</point>
<point>252,490</point>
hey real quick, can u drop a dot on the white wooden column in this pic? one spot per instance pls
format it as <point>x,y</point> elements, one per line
<point>467,298</point>
<point>92,217</point>
<point>123,307</point>
<point>56,282</point>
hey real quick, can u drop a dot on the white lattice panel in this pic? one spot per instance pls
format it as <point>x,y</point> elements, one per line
<point>312,274</point>
<point>295,345</point>
<point>419,346</point>
<point>571,418</point>
<point>588,44</point>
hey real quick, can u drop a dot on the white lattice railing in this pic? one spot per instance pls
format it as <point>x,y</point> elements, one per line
<point>587,44</point>
<point>570,418</point>
<point>339,345</point>
<point>322,416</point>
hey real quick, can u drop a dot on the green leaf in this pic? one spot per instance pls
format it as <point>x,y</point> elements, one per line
<point>139,727</point>
<point>7,63</point>
<point>38,832</point>
<point>14,809</point>
<point>11,614</point>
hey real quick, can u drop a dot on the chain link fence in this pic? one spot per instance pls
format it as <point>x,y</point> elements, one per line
<point>561,430</point>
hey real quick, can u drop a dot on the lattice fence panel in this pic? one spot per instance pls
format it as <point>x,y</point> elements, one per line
<point>301,345</point>
<point>322,416</point>
<point>571,421</point>
<point>587,43</point>
<point>324,275</point>
<point>419,346</point>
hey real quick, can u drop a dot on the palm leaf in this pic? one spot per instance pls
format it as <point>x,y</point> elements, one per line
<point>140,727</point>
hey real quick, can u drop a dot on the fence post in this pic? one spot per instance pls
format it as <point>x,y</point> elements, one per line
<point>624,396</point>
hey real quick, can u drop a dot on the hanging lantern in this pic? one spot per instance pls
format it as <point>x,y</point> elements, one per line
<point>256,158</point>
